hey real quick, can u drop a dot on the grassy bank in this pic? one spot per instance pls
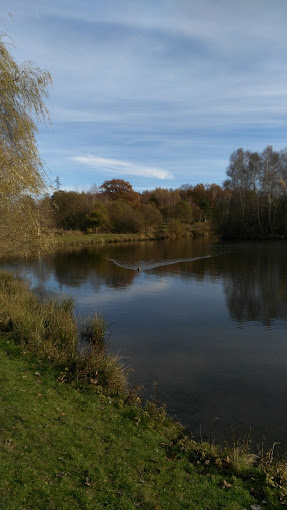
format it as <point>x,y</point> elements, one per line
<point>79,238</point>
<point>73,435</point>
<point>65,238</point>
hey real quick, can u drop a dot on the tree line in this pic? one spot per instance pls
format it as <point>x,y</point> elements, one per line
<point>251,203</point>
<point>116,207</point>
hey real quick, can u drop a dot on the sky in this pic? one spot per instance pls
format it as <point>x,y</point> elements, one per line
<point>157,93</point>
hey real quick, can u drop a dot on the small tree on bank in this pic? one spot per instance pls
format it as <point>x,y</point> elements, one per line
<point>23,88</point>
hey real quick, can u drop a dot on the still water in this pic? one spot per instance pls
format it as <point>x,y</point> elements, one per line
<point>205,319</point>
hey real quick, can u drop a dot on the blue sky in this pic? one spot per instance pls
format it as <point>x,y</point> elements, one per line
<point>157,93</point>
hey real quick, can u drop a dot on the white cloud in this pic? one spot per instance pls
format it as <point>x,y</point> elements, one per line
<point>123,167</point>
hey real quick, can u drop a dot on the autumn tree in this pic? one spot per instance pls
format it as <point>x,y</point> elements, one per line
<point>119,189</point>
<point>23,91</point>
<point>165,198</point>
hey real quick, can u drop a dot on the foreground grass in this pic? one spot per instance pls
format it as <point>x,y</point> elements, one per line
<point>73,436</point>
<point>63,447</point>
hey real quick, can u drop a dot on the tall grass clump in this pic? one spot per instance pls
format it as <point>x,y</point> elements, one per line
<point>94,361</point>
<point>48,329</point>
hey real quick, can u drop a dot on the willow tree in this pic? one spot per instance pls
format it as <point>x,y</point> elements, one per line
<point>23,90</point>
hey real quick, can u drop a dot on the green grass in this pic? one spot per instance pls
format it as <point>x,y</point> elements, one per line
<point>62,447</point>
<point>73,436</point>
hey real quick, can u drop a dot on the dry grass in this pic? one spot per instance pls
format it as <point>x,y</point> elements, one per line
<point>48,329</point>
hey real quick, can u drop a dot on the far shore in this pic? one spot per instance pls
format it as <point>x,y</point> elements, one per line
<point>72,237</point>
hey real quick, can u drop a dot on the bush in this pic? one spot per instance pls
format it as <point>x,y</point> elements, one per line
<point>176,227</point>
<point>152,216</point>
<point>125,218</point>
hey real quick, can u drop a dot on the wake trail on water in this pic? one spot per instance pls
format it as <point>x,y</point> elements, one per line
<point>149,266</point>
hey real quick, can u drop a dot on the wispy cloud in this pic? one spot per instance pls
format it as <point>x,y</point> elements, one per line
<point>177,84</point>
<point>123,167</point>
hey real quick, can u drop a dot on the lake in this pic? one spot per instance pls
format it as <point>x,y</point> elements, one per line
<point>205,319</point>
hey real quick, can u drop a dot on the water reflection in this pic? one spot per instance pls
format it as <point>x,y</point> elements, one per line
<point>255,283</point>
<point>116,265</point>
<point>93,266</point>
